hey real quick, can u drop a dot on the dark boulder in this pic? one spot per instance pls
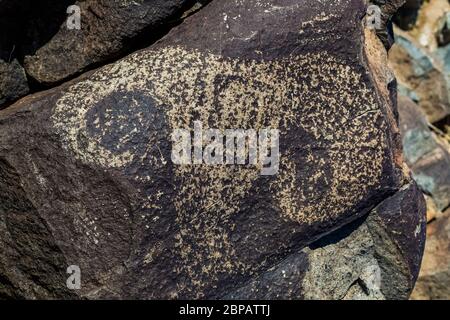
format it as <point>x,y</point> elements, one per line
<point>88,167</point>
<point>108,30</point>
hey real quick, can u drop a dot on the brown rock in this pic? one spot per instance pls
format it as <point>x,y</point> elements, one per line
<point>421,76</point>
<point>428,159</point>
<point>86,176</point>
<point>108,29</point>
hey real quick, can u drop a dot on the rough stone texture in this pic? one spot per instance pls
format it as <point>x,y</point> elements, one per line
<point>435,273</point>
<point>13,82</point>
<point>429,160</point>
<point>425,78</point>
<point>421,76</point>
<point>420,65</point>
<point>108,28</point>
<point>367,259</point>
<point>28,24</point>
<point>388,9</point>
<point>86,176</point>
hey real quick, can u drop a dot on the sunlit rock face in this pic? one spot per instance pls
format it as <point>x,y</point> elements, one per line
<point>87,177</point>
<point>421,59</point>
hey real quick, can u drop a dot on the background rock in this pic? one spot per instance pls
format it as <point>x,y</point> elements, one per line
<point>421,65</point>
<point>427,158</point>
<point>362,261</point>
<point>29,24</point>
<point>431,22</point>
<point>26,25</point>
<point>388,9</point>
<point>435,272</point>
<point>444,33</point>
<point>406,16</point>
<point>421,76</point>
<point>426,141</point>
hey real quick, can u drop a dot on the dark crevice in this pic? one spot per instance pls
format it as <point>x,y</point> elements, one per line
<point>363,286</point>
<point>359,283</point>
<point>406,16</point>
<point>446,208</point>
<point>27,25</point>
<point>339,234</point>
<point>7,288</point>
<point>443,124</point>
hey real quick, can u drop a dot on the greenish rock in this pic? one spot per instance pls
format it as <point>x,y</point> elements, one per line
<point>421,62</point>
<point>428,160</point>
<point>13,82</point>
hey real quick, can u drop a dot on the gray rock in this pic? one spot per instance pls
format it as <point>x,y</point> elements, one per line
<point>388,9</point>
<point>429,161</point>
<point>444,33</point>
<point>435,273</point>
<point>421,75</point>
<point>406,16</point>
<point>367,259</point>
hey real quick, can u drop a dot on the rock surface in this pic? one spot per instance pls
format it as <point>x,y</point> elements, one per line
<point>365,260</point>
<point>108,28</point>
<point>421,66</point>
<point>13,82</point>
<point>421,76</point>
<point>36,35</point>
<point>435,272</point>
<point>427,158</point>
<point>431,23</point>
<point>388,8</point>
<point>86,176</point>
<point>406,16</point>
